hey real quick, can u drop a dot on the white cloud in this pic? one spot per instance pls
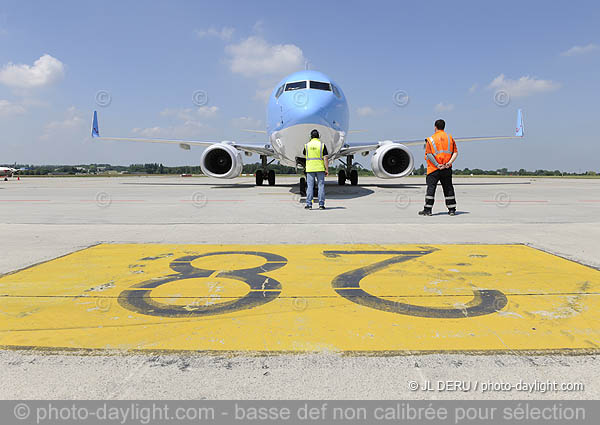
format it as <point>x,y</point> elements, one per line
<point>44,71</point>
<point>365,111</point>
<point>187,130</point>
<point>524,86</point>
<point>443,107</point>
<point>8,108</point>
<point>264,90</point>
<point>191,114</point>
<point>580,50</point>
<point>255,57</point>
<point>225,33</point>
<point>473,88</point>
<point>247,123</point>
<point>73,122</point>
<point>188,123</point>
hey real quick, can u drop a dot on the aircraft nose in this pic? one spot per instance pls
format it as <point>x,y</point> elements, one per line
<point>309,106</point>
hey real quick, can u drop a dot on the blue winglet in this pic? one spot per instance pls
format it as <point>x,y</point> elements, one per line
<point>520,130</point>
<point>95,132</point>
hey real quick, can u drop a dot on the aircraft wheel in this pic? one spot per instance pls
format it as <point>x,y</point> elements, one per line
<point>259,177</point>
<point>271,177</point>
<point>341,177</point>
<point>353,177</point>
<point>302,186</point>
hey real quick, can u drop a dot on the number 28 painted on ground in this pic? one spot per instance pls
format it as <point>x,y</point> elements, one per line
<point>264,289</point>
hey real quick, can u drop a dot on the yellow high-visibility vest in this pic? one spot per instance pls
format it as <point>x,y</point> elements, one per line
<point>314,156</point>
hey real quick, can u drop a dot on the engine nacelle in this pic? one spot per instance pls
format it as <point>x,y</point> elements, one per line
<point>221,160</point>
<point>392,160</point>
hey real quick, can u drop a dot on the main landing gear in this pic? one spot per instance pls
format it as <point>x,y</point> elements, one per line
<point>264,173</point>
<point>349,173</point>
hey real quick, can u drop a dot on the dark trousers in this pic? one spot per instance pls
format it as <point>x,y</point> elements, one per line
<point>445,177</point>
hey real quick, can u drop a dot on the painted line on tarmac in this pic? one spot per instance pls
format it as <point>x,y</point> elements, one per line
<point>299,298</point>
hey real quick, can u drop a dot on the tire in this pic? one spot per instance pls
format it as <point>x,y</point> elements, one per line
<point>353,177</point>
<point>271,177</point>
<point>341,177</point>
<point>259,177</point>
<point>302,186</point>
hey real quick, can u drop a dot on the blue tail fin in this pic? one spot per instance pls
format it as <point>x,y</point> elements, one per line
<point>95,132</point>
<point>520,130</point>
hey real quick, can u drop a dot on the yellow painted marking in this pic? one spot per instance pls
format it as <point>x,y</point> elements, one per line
<point>535,301</point>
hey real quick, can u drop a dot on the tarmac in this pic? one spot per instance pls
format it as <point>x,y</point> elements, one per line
<point>169,287</point>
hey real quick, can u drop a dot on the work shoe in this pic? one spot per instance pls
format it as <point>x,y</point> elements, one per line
<point>425,212</point>
<point>321,207</point>
<point>308,207</point>
<point>451,212</point>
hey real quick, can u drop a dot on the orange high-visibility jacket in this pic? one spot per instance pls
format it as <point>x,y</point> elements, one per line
<point>441,145</point>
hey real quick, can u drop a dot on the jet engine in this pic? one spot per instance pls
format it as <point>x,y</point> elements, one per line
<point>221,160</point>
<point>392,160</point>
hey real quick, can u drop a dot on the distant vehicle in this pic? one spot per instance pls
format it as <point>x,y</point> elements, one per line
<point>301,102</point>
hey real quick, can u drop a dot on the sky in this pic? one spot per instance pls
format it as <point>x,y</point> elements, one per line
<point>203,70</point>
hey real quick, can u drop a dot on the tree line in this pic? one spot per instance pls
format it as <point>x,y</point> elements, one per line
<point>158,168</point>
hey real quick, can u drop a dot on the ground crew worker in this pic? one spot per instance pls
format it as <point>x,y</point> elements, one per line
<point>317,166</point>
<point>440,153</point>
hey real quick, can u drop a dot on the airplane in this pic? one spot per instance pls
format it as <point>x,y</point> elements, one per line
<point>7,172</point>
<point>301,102</point>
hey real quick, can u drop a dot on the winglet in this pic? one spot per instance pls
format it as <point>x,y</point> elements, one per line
<point>520,129</point>
<point>95,132</point>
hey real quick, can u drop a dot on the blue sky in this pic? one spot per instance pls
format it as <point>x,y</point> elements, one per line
<point>451,58</point>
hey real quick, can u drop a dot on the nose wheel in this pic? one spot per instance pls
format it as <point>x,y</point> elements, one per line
<point>302,186</point>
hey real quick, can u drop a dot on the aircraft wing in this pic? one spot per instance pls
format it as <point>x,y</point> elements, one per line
<point>357,147</point>
<point>183,144</point>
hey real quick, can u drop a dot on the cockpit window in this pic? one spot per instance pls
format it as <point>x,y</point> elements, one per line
<point>320,85</point>
<point>295,86</point>
<point>336,91</point>
<point>279,91</point>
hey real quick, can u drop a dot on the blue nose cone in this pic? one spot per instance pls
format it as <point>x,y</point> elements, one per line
<point>307,107</point>
<point>307,97</point>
